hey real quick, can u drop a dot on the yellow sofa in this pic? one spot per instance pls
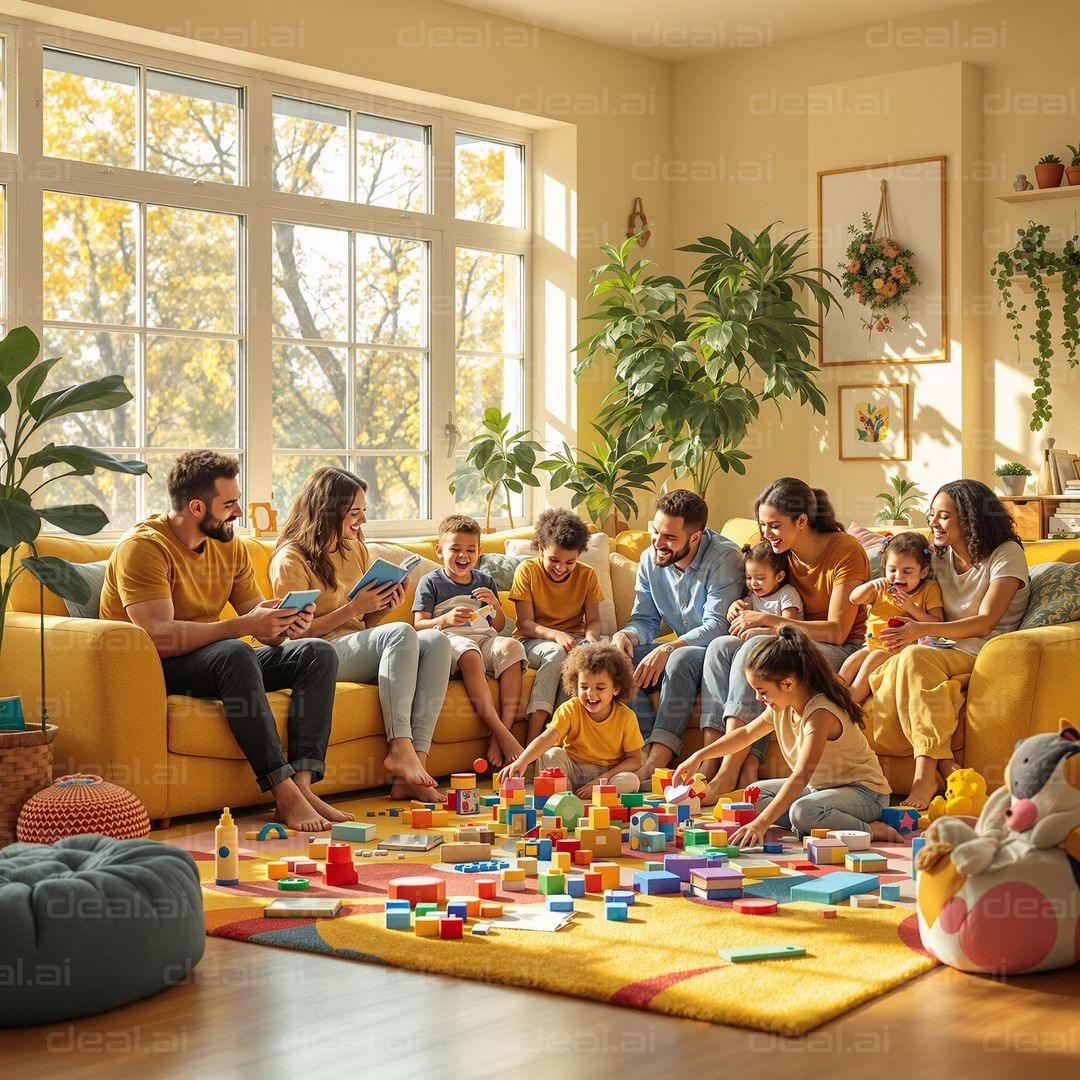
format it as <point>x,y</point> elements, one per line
<point>107,695</point>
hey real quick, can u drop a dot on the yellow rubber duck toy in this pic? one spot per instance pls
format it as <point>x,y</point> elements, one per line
<point>965,793</point>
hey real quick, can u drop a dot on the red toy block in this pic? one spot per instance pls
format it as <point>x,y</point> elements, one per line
<point>420,819</point>
<point>582,858</point>
<point>451,928</point>
<point>417,890</point>
<point>594,883</point>
<point>620,814</point>
<point>337,873</point>
<point>337,851</point>
<point>480,765</point>
<point>487,888</point>
<point>568,845</point>
<point>754,905</point>
<point>451,800</point>
<point>802,866</point>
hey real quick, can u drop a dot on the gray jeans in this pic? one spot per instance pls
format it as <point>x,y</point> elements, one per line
<point>850,807</point>
<point>412,670</point>
<point>547,657</point>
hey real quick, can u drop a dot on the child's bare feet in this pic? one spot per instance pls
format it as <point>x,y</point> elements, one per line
<point>293,810</point>
<point>330,813</point>
<point>421,792</point>
<point>885,833</point>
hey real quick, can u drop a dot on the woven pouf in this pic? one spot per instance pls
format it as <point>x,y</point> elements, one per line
<point>82,803</point>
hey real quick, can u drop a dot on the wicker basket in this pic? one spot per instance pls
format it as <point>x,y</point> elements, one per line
<point>26,760</point>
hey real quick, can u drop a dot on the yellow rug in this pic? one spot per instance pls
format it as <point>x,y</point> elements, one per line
<point>665,958</point>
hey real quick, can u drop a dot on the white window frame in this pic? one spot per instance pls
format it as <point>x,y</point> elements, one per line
<point>26,173</point>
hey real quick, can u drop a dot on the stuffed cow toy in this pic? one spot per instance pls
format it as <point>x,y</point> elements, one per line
<point>1004,896</point>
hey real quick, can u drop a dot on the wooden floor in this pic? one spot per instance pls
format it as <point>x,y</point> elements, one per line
<point>255,1011</point>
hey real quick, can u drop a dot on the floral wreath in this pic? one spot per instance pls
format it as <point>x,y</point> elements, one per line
<point>877,269</point>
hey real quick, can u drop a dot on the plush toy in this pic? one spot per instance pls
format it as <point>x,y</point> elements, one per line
<point>965,793</point>
<point>1004,896</point>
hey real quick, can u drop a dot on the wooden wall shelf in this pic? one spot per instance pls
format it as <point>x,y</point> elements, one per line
<point>1042,194</point>
<point>1031,513</point>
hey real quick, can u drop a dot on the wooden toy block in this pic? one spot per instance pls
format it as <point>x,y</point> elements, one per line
<point>575,886</point>
<point>451,929</point>
<point>757,868</point>
<point>354,831</point>
<point>616,912</point>
<point>644,821</point>
<point>462,853</point>
<point>832,855</point>
<point>560,903</point>
<point>513,874</point>
<point>620,896</point>
<point>468,801</point>
<point>864,900</point>
<point>632,799</point>
<point>457,909</point>
<point>528,864</point>
<point>681,865</point>
<point>490,800</point>
<point>605,795</point>
<point>451,801</point>
<point>397,905</point>
<point>548,884</point>
<point>736,818</point>
<point>513,798</point>
<point>834,887</point>
<point>917,843</point>
<point>653,866</point>
<point>560,861</point>
<point>513,886</point>
<point>470,904</point>
<point>599,817</point>
<point>657,883</point>
<point>339,851</point>
<point>609,875</point>
<point>696,837</point>
<point>301,866</point>
<point>661,779</point>
<point>828,913</point>
<point>440,818</point>
<point>583,858</point>
<point>275,871</point>
<point>427,926</point>
<point>474,834</point>
<point>414,889</point>
<point>462,780</point>
<point>648,841</point>
<point>867,862</point>
<point>755,905</point>
<point>773,849</point>
<point>491,910</point>
<point>338,874</point>
<point>594,881</point>
<point>567,806</point>
<point>606,843</point>
<point>272,830</point>
<point>316,848</point>
<point>904,819</point>
<point>513,783</point>
<point>420,819</point>
<point>890,891</point>
<point>399,920</point>
<point>568,844</point>
<point>487,888</point>
<point>819,834</point>
<point>293,884</point>
<point>480,929</point>
<point>424,909</point>
<point>762,952</point>
<point>853,839</point>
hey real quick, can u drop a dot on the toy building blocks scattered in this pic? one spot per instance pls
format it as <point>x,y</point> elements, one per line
<point>607,843</point>
<point>716,883</point>
<point>575,886</point>
<point>854,839</point>
<point>550,883</point>
<point>480,929</point>
<point>270,831</point>
<point>293,884</point>
<point>620,896</point>
<point>661,778</point>
<point>464,853</point>
<point>616,912</point>
<point>451,929</point>
<point>489,909</point>
<point>609,875</point>
<point>487,888</point>
<point>904,819</point>
<point>427,925</point>
<point>474,834</point>
<point>300,865</point>
<point>865,900</point>
<point>917,843</point>
<point>773,849</point>
<point>399,920</point>
<point>480,765</point>
<point>549,782</point>
<point>827,913</point>
<point>832,888</point>
<point>415,889</point>
<point>657,882</point>
<point>317,846</point>
<point>560,903</point>
<point>353,831</point>
<point>826,852</point>
<point>567,806</point>
<point>275,871</point>
<point>890,891</point>
<point>866,862</point>
<point>458,909</point>
<point>513,879</point>
<point>756,868</point>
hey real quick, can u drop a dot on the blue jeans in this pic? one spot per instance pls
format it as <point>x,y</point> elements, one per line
<point>849,807</point>
<point>679,684</point>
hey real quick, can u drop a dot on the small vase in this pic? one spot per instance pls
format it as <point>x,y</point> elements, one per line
<point>1014,485</point>
<point>1049,175</point>
<point>1022,183</point>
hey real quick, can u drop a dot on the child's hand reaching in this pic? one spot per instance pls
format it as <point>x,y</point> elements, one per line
<point>902,599</point>
<point>752,834</point>
<point>684,773</point>
<point>515,768</point>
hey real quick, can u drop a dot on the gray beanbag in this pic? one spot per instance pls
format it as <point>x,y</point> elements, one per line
<point>93,923</point>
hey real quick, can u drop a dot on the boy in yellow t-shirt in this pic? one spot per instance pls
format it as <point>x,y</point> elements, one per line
<point>558,602</point>
<point>592,736</point>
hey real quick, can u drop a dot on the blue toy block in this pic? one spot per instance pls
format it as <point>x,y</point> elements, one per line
<point>458,909</point>
<point>717,894</point>
<point>773,849</point>
<point>834,887</point>
<point>481,928</point>
<point>656,882</point>
<point>890,891</point>
<point>917,843</point>
<point>543,850</point>
<point>394,811</point>
<point>616,912</point>
<point>399,920</point>
<point>649,841</point>
<point>575,886</point>
<point>668,829</point>
<point>353,831</point>
<point>740,806</point>
<point>560,903</point>
<point>489,800</point>
<point>398,905</point>
<point>538,802</point>
<point>683,811</point>
<point>902,818</point>
<point>619,896</point>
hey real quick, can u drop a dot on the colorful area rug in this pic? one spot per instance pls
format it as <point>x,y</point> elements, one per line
<point>664,959</point>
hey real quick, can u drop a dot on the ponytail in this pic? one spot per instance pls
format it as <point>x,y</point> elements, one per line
<point>792,655</point>
<point>792,498</point>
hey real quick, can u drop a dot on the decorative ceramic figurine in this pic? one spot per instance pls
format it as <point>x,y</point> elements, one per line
<point>1022,183</point>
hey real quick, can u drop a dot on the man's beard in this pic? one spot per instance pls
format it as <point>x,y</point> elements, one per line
<point>217,529</point>
<point>675,556</point>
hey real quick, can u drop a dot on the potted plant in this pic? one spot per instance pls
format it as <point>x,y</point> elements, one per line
<point>693,364</point>
<point>1049,171</point>
<point>898,505</point>
<point>1013,477</point>
<point>605,480</point>
<point>1072,170</point>
<point>497,461</point>
<point>26,755</point>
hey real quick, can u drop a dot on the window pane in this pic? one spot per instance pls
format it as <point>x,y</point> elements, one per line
<point>387,402</point>
<point>309,397</point>
<point>89,109</point>
<point>391,163</point>
<point>311,149</point>
<point>488,301</point>
<point>191,269</point>
<point>393,486</point>
<point>191,392</point>
<point>482,383</point>
<point>391,290</point>
<point>311,273</point>
<point>90,354</point>
<point>290,472</point>
<point>489,181</point>
<point>3,245</point>
<point>3,94</point>
<point>113,492</point>
<point>192,128</point>
<point>89,252</point>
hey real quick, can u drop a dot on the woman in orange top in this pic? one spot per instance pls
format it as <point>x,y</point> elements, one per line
<point>825,564</point>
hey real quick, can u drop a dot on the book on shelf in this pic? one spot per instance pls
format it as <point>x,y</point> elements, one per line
<point>1068,524</point>
<point>1063,468</point>
<point>1067,508</point>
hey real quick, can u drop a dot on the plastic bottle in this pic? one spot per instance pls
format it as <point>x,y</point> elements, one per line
<point>226,851</point>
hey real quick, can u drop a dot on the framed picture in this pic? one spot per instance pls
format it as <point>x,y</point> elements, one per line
<point>874,423</point>
<point>916,200</point>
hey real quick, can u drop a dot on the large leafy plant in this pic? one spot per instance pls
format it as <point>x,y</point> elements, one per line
<point>605,480</point>
<point>498,461</point>
<point>21,480</point>
<point>693,364</point>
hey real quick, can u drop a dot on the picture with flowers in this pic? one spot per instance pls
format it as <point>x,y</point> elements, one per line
<point>871,421</point>
<point>879,272</point>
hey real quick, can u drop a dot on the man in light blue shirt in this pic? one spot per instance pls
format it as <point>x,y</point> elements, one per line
<point>688,579</point>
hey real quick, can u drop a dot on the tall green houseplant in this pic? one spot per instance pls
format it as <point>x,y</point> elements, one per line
<point>693,364</point>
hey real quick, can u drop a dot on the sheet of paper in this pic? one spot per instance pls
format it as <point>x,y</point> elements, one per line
<point>531,918</point>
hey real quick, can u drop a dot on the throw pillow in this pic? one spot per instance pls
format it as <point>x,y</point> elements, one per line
<point>1053,595</point>
<point>93,573</point>
<point>872,542</point>
<point>501,568</point>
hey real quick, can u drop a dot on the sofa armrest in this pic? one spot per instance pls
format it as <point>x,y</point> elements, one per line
<point>105,692</point>
<point>1023,683</point>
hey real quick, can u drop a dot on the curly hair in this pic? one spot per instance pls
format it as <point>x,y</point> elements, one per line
<point>776,561</point>
<point>688,505</point>
<point>982,516</point>
<point>597,660</point>
<point>561,529</point>
<point>793,498</point>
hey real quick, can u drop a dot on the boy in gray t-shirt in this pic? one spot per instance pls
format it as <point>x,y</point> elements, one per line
<point>463,603</point>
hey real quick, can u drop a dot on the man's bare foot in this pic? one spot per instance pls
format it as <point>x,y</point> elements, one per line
<point>402,763</point>
<point>330,813</point>
<point>922,791</point>
<point>885,833</point>
<point>294,811</point>
<point>658,757</point>
<point>748,774</point>
<point>421,792</point>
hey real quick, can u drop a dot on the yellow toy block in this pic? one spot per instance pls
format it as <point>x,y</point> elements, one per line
<point>599,817</point>
<point>462,781</point>
<point>515,798</point>
<point>819,834</point>
<point>609,874</point>
<point>560,860</point>
<point>604,842</point>
<point>528,864</point>
<point>440,819</point>
<point>604,798</point>
<point>277,870</point>
<point>513,873</point>
<point>753,868</point>
<point>661,779</point>
<point>427,926</point>
<point>316,849</point>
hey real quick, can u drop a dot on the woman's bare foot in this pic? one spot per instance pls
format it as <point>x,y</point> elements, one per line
<point>884,833</point>
<point>510,747</point>
<point>946,767</point>
<point>331,813</point>
<point>293,810</point>
<point>402,763</point>
<point>658,757</point>
<point>494,753</point>
<point>421,792</point>
<point>923,789</point>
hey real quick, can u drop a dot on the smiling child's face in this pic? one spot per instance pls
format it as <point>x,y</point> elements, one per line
<point>761,579</point>
<point>596,691</point>
<point>777,695</point>
<point>903,571</point>
<point>460,552</point>
<point>558,562</point>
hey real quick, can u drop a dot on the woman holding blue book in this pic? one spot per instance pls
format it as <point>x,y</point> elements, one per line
<point>321,546</point>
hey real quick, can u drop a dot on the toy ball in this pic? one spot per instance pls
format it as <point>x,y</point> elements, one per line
<point>480,766</point>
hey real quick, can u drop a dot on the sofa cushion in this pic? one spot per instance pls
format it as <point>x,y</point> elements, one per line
<point>501,567</point>
<point>93,573</point>
<point>1054,595</point>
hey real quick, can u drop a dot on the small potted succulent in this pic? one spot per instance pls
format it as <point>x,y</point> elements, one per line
<point>1013,477</point>
<point>1072,170</point>
<point>1049,171</point>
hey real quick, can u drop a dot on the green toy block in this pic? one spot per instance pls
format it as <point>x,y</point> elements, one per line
<point>762,952</point>
<point>695,838</point>
<point>353,831</point>
<point>426,909</point>
<point>551,883</point>
<point>565,805</point>
<point>632,799</point>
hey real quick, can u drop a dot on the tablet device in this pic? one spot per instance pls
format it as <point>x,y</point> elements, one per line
<point>299,599</point>
<point>382,572</point>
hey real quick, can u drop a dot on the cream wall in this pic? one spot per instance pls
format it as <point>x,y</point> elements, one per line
<point>762,111</point>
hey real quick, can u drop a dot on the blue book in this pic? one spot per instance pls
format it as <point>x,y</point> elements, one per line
<point>381,572</point>
<point>11,714</point>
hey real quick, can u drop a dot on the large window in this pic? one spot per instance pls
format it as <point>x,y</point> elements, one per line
<point>283,271</point>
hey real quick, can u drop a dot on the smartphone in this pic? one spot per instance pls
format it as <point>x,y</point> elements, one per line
<point>299,599</point>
